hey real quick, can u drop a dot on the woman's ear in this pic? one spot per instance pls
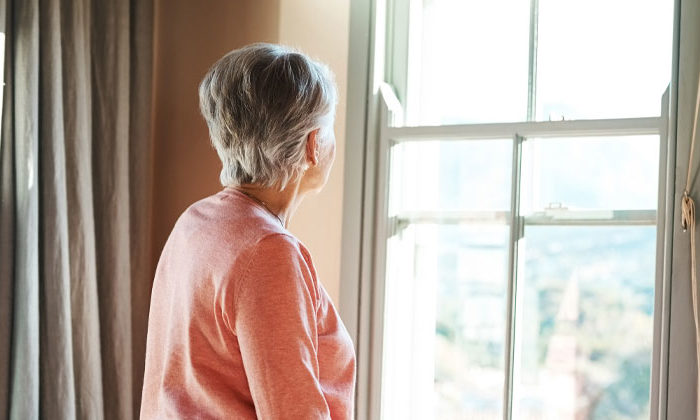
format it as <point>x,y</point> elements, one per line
<point>312,147</point>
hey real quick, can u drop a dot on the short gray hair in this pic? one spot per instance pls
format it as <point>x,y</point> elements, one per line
<point>260,103</point>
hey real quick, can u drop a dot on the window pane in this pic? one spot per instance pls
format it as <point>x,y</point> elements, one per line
<point>445,296</point>
<point>584,312</point>
<point>584,323</point>
<point>468,62</point>
<point>445,323</point>
<point>602,58</point>
<point>450,176</point>
<point>611,173</point>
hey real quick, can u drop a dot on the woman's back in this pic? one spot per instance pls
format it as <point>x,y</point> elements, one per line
<point>239,325</point>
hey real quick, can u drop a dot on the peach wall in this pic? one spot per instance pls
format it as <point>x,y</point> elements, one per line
<point>320,29</point>
<point>189,38</point>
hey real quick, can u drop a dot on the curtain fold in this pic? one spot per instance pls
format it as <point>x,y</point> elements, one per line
<point>22,42</point>
<point>6,237</point>
<point>75,179</point>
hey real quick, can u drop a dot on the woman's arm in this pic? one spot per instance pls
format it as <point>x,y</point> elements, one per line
<point>275,306</point>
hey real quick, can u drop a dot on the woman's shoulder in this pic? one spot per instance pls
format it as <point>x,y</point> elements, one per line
<point>279,246</point>
<point>278,261</point>
<point>230,218</point>
<point>216,232</point>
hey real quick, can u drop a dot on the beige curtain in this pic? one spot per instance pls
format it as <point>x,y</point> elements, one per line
<point>75,180</point>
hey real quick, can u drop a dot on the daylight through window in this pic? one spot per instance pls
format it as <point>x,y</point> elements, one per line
<point>520,160</point>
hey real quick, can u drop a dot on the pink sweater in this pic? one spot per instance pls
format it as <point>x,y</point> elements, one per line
<point>239,326</point>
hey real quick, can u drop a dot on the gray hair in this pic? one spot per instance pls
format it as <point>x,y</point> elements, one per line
<point>260,103</point>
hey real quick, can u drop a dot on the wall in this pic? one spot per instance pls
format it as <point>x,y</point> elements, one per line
<point>189,38</point>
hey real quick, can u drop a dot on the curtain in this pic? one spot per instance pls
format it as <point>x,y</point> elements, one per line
<point>75,179</point>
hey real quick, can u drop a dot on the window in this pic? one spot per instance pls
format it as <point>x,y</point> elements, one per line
<point>518,182</point>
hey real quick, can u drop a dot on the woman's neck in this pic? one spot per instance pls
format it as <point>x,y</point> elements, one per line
<point>282,203</point>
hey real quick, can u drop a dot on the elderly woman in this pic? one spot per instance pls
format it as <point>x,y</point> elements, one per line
<point>240,326</point>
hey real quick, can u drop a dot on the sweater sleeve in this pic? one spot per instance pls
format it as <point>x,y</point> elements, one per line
<point>275,307</point>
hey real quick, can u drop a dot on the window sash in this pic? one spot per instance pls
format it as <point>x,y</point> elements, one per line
<point>391,133</point>
<point>400,15</point>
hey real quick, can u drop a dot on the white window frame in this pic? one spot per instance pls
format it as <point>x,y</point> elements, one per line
<point>372,111</point>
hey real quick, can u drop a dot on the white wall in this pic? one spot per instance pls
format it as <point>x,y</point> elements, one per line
<point>320,29</point>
